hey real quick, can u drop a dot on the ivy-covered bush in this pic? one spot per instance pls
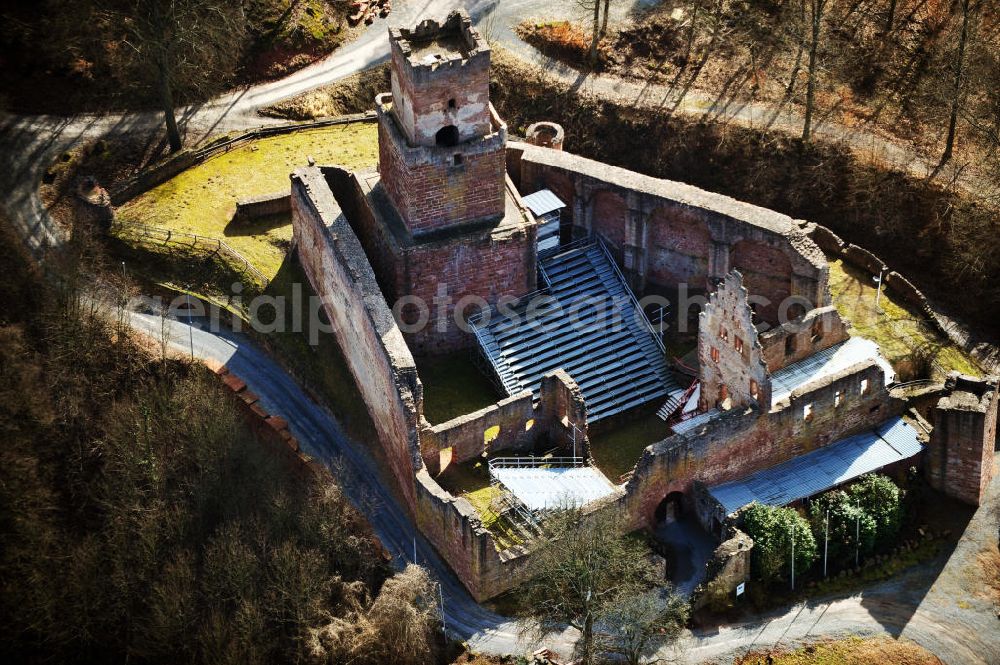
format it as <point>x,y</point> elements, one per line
<point>772,530</point>
<point>882,499</point>
<point>852,529</point>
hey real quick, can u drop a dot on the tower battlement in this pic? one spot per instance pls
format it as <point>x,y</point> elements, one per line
<point>441,145</point>
<point>441,81</point>
<point>433,44</point>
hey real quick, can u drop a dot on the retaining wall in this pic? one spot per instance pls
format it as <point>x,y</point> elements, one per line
<point>188,157</point>
<point>263,206</point>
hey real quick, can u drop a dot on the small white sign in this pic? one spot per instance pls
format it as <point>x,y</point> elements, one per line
<point>740,588</point>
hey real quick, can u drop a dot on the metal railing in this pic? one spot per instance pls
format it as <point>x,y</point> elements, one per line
<point>535,462</point>
<point>193,240</point>
<point>481,342</point>
<point>635,303</point>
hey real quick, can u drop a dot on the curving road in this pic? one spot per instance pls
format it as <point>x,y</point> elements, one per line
<point>940,605</point>
<point>321,437</point>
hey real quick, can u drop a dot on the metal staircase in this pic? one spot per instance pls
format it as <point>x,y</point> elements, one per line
<point>586,321</point>
<point>675,403</point>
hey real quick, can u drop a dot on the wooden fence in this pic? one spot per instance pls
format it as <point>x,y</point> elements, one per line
<point>211,246</point>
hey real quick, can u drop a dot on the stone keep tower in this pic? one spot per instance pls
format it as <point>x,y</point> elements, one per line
<point>441,146</point>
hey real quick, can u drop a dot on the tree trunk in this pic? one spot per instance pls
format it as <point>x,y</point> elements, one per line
<point>957,87</point>
<point>892,16</point>
<point>691,32</point>
<point>817,22</point>
<point>588,638</point>
<point>604,24</point>
<point>801,50</point>
<point>167,102</point>
<point>596,35</point>
<point>166,92</point>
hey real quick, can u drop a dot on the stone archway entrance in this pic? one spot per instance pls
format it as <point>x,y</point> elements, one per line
<point>670,509</point>
<point>682,542</point>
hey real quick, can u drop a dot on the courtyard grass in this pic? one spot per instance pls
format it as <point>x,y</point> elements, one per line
<point>617,448</point>
<point>906,337</point>
<point>454,386</point>
<point>471,481</point>
<point>202,199</point>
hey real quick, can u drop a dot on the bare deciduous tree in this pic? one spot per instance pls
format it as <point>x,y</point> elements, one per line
<point>817,9</point>
<point>967,9</point>
<point>595,37</point>
<point>186,47</point>
<point>582,571</point>
<point>640,625</point>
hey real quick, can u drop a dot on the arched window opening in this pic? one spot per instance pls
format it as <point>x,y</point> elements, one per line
<point>447,136</point>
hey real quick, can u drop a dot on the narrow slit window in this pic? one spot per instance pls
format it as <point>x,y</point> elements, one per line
<point>715,354</point>
<point>864,386</point>
<point>807,412</point>
<point>838,397</point>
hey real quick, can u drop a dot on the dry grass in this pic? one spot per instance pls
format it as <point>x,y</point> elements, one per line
<point>850,651</point>
<point>564,40</point>
<point>202,199</point>
<point>989,568</point>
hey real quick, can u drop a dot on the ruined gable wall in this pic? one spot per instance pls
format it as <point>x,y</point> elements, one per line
<point>741,442</point>
<point>730,357</point>
<point>668,232</point>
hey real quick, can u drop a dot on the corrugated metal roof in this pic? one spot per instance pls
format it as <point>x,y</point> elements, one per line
<point>826,362</point>
<point>548,488</point>
<point>804,476</point>
<point>542,202</point>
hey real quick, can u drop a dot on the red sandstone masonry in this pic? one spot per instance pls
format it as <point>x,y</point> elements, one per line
<point>628,209</point>
<point>373,346</point>
<point>742,442</point>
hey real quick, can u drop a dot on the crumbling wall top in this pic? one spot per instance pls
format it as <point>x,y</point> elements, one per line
<point>968,393</point>
<point>433,44</point>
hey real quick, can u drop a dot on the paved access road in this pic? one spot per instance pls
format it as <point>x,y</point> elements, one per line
<point>321,437</point>
<point>941,606</point>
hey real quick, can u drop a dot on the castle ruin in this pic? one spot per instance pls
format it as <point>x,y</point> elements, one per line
<point>438,250</point>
